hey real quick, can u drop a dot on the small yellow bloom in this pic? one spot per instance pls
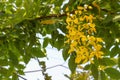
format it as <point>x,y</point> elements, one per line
<point>92,30</point>
<point>117,40</point>
<point>86,17</point>
<point>91,38</point>
<point>73,16</point>
<point>86,26</point>
<point>84,39</point>
<point>77,60</point>
<point>68,14</point>
<point>97,47</point>
<point>80,8</point>
<point>101,67</point>
<point>81,18</point>
<point>80,12</point>
<point>98,54</point>
<point>99,40</point>
<point>67,9</point>
<point>76,12</point>
<point>90,7</point>
<point>76,21</point>
<point>92,25</point>
<point>68,19</point>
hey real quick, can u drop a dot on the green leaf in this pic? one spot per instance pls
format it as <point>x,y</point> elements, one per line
<point>113,73</point>
<point>71,63</point>
<point>21,72</point>
<point>103,76</point>
<point>87,67</point>
<point>15,77</point>
<point>20,66</point>
<point>36,51</point>
<point>115,50</point>
<point>26,58</point>
<point>46,41</point>
<point>55,34</point>
<point>94,71</point>
<point>10,71</point>
<point>60,42</point>
<point>3,62</point>
<point>18,3</point>
<point>65,53</point>
<point>13,58</point>
<point>119,61</point>
<point>3,71</point>
<point>107,62</point>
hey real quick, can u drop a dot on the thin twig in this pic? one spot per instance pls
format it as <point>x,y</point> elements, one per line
<point>20,76</point>
<point>46,68</point>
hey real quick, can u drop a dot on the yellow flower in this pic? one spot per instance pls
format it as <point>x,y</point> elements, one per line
<point>91,18</point>
<point>81,18</point>
<point>90,7</point>
<point>68,19</point>
<point>73,16</point>
<point>101,67</point>
<point>80,12</point>
<point>92,30</point>
<point>76,12</point>
<point>86,26</point>
<point>92,54</point>
<point>67,9</point>
<point>76,21</point>
<point>99,54</point>
<point>68,14</point>
<point>91,38</point>
<point>74,43</point>
<point>77,60</point>
<point>97,47</point>
<point>79,7</point>
<point>91,25</point>
<point>99,40</point>
<point>84,39</point>
<point>81,37</point>
<point>87,18</point>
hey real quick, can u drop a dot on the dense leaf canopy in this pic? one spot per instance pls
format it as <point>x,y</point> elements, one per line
<point>23,21</point>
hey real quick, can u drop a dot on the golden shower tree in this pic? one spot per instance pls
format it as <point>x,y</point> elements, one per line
<point>87,32</point>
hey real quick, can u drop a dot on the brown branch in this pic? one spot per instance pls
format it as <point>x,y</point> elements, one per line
<point>65,14</point>
<point>54,15</point>
<point>105,10</point>
<point>51,16</point>
<point>58,15</point>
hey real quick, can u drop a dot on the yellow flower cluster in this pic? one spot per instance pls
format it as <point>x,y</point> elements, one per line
<point>81,30</point>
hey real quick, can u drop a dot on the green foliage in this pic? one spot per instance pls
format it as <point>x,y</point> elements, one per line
<point>21,22</point>
<point>72,65</point>
<point>94,71</point>
<point>113,73</point>
<point>103,75</point>
<point>65,53</point>
<point>107,62</point>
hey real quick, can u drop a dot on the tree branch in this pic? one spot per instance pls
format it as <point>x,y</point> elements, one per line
<point>105,10</point>
<point>51,16</point>
<point>65,14</point>
<point>46,68</point>
<point>21,76</point>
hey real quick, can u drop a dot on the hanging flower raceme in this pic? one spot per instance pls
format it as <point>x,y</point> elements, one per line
<point>81,30</point>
